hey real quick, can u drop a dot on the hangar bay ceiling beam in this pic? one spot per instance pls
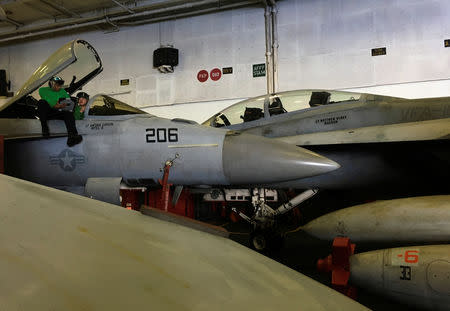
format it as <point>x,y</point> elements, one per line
<point>11,21</point>
<point>145,11</point>
<point>37,9</point>
<point>123,7</point>
<point>60,8</point>
<point>5,18</point>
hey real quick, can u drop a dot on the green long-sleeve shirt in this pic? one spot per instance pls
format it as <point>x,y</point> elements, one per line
<point>51,96</point>
<point>77,113</point>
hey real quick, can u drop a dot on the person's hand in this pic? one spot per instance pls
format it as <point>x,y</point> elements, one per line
<point>59,106</point>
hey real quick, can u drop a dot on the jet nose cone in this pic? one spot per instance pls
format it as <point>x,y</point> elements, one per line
<point>253,159</point>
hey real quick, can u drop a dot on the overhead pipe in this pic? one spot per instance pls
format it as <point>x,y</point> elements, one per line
<point>187,14</point>
<point>117,19</point>
<point>88,21</point>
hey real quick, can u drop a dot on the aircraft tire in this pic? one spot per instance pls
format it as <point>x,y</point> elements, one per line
<point>266,241</point>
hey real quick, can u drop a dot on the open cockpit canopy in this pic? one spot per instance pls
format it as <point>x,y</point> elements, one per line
<point>76,63</point>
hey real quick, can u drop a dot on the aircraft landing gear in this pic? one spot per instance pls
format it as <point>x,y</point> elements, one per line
<point>265,236</point>
<point>263,218</point>
<point>266,241</point>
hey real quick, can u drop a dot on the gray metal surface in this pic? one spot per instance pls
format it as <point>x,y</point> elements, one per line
<point>246,158</point>
<point>379,141</point>
<point>118,148</point>
<point>104,189</point>
<point>363,111</point>
<point>120,141</point>
<point>411,220</point>
<point>423,130</point>
<point>59,251</point>
<point>418,275</point>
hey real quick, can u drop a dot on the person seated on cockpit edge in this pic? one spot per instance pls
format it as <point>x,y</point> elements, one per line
<point>83,99</point>
<point>49,107</point>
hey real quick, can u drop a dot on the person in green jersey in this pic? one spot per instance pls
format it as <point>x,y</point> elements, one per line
<point>49,107</point>
<point>83,99</point>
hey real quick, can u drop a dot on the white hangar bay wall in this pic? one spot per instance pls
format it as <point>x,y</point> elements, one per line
<point>322,44</point>
<point>227,39</point>
<point>327,44</point>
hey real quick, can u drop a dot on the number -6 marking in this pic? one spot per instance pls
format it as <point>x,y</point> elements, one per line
<point>160,135</point>
<point>412,258</point>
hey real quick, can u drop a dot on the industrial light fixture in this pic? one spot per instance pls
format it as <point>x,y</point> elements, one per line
<point>165,69</point>
<point>165,58</point>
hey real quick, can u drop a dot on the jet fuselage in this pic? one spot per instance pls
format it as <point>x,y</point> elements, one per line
<point>382,143</point>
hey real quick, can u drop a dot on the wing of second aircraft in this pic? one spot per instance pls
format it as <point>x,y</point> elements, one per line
<point>65,252</point>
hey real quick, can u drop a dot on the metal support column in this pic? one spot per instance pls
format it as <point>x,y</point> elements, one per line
<point>271,35</point>
<point>269,59</point>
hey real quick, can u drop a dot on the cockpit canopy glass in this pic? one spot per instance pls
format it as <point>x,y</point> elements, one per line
<point>61,57</point>
<point>87,63</point>
<point>269,105</point>
<point>76,63</point>
<point>245,111</point>
<point>103,105</point>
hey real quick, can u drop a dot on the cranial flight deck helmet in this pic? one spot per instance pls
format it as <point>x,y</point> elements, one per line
<point>83,95</point>
<point>55,79</point>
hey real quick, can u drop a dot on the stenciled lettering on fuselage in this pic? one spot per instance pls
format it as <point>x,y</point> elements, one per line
<point>67,160</point>
<point>99,126</point>
<point>331,120</point>
<point>161,135</point>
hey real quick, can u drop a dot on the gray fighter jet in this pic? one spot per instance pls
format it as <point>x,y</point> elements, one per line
<point>387,147</point>
<point>378,140</point>
<point>126,147</point>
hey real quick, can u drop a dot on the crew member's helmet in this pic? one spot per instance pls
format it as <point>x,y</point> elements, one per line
<point>55,79</point>
<point>83,95</point>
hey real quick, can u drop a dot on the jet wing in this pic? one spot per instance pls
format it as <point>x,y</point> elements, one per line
<point>423,130</point>
<point>29,128</point>
<point>60,251</point>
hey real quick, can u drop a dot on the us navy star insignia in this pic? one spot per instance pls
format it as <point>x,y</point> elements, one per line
<point>67,160</point>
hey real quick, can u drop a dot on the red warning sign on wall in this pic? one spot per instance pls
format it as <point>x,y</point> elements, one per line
<point>215,74</point>
<point>202,75</point>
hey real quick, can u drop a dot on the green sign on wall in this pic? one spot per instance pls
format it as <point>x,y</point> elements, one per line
<point>259,70</point>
